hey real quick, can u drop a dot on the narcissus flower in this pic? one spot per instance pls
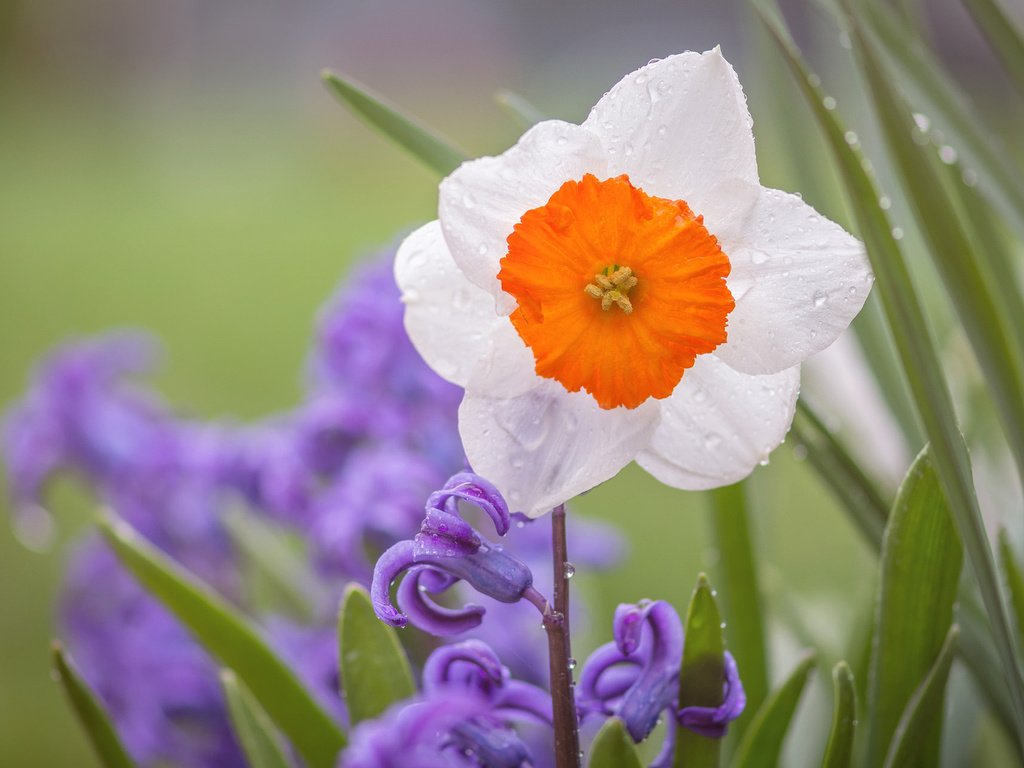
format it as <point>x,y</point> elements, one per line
<point>626,289</point>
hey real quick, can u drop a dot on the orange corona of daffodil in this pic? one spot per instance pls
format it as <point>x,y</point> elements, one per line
<point>626,289</point>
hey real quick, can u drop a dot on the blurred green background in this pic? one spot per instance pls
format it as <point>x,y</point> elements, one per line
<point>179,168</point>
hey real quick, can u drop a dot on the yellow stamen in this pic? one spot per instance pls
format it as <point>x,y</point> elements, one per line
<point>612,287</point>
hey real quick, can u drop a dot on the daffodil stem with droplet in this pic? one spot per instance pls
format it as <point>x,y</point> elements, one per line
<point>556,624</point>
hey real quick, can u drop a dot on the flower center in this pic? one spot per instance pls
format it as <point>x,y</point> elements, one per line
<point>565,268</point>
<point>612,285</point>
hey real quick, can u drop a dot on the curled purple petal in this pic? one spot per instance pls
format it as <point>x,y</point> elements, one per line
<point>594,693</point>
<point>389,566</point>
<point>519,701</point>
<point>478,491</point>
<point>445,534</point>
<point>657,686</point>
<point>428,615</point>
<point>713,722</point>
<point>469,664</point>
<point>411,734</point>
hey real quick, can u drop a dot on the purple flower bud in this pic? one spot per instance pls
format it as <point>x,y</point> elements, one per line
<point>713,722</point>
<point>449,545</point>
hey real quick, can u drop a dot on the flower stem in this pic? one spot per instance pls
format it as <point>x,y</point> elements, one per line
<point>556,623</point>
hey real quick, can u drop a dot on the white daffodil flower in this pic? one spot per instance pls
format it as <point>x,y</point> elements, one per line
<point>626,289</point>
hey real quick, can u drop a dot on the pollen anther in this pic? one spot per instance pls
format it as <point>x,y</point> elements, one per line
<point>612,286</point>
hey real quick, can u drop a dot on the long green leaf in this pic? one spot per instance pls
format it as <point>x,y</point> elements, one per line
<point>1014,579</point>
<point>90,713</point>
<point>920,361</point>
<point>839,750</point>
<point>524,113</point>
<point>763,740</point>
<point>701,675</point>
<point>375,671</point>
<point>231,639</point>
<point>251,724</point>
<point>966,274</point>
<point>913,742</point>
<point>436,153</point>
<point>613,748</point>
<point>1002,33</point>
<point>840,471</point>
<point>950,110</point>
<point>921,562</point>
<point>739,595</point>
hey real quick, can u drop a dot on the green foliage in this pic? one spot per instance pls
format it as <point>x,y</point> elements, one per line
<point>433,151</point>
<point>613,747</point>
<point>840,471</point>
<point>969,280</point>
<point>762,743</point>
<point>1002,34</point>
<point>701,675</point>
<point>740,596</point>
<point>231,639</point>
<point>1014,580</point>
<point>251,724</point>
<point>921,562</point>
<point>375,671</point>
<point>91,715</point>
<point>918,355</point>
<point>914,742</point>
<point>839,750</point>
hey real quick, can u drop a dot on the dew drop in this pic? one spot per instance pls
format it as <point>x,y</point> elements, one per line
<point>885,202</point>
<point>759,257</point>
<point>828,102</point>
<point>922,122</point>
<point>947,154</point>
<point>850,137</point>
<point>897,233</point>
<point>820,298</point>
<point>468,201</point>
<point>571,664</point>
<point>568,570</point>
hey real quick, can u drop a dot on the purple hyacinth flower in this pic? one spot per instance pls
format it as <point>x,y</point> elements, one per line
<point>451,548</point>
<point>636,677</point>
<point>486,738</point>
<point>411,734</point>
<point>713,722</point>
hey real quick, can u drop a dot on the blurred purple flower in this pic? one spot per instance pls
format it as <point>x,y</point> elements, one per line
<point>158,685</point>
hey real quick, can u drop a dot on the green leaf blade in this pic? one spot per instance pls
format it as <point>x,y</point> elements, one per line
<point>251,725</point>
<point>1014,580</point>
<point>701,675</point>
<point>918,356</point>
<point>375,671</point>
<point>914,740</point>
<point>90,712</point>
<point>921,563</point>
<point>613,747</point>
<point>739,595</point>
<point>229,637</point>
<point>762,743</point>
<point>1003,35</point>
<point>436,153</point>
<point>839,749</point>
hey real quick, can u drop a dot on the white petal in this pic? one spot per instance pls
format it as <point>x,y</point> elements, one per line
<point>678,126</point>
<point>548,445</point>
<point>719,424</point>
<point>798,280</point>
<point>449,320</point>
<point>483,199</point>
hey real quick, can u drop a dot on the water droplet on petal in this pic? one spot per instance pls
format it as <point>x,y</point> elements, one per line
<point>820,298</point>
